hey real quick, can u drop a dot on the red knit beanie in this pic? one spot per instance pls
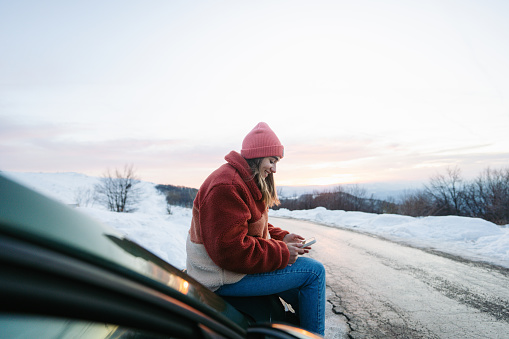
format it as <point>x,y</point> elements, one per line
<point>261,142</point>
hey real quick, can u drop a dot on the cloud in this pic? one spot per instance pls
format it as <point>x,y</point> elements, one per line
<point>49,147</point>
<point>347,160</point>
<point>343,159</point>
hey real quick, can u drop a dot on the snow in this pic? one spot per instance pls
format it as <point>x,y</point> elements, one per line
<point>470,238</point>
<point>164,234</point>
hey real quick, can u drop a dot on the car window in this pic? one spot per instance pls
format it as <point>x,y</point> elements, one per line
<point>27,326</point>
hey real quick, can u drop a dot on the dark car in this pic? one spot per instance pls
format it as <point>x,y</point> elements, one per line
<point>65,275</point>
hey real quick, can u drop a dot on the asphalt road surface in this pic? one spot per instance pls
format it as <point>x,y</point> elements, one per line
<point>387,290</point>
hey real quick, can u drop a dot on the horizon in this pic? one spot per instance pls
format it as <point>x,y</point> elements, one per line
<point>402,182</point>
<point>357,92</point>
<point>380,190</point>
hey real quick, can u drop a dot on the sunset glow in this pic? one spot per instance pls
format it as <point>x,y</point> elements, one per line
<point>357,91</point>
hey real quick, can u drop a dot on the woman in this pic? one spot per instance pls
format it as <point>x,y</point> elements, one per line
<point>231,247</point>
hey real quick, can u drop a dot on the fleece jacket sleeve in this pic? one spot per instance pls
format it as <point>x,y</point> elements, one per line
<point>224,228</point>
<point>277,233</point>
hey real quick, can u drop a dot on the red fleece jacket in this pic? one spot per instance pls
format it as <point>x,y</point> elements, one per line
<point>231,221</point>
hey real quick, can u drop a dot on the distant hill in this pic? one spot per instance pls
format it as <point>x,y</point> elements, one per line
<point>379,190</point>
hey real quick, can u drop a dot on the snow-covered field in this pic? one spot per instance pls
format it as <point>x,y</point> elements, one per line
<point>163,234</point>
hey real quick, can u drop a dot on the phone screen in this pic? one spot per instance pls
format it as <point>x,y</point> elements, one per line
<point>309,242</point>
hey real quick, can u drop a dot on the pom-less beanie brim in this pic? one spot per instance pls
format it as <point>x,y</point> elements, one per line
<point>262,152</point>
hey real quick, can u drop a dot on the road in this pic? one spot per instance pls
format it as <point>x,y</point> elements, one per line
<point>388,290</point>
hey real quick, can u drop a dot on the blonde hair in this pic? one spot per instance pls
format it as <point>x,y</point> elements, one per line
<point>266,185</point>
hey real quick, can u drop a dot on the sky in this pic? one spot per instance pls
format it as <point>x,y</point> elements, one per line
<point>357,91</point>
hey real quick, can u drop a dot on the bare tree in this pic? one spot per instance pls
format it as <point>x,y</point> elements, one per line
<point>447,191</point>
<point>357,198</point>
<point>417,203</point>
<point>119,190</point>
<point>488,196</point>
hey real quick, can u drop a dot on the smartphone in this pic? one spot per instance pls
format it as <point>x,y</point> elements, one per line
<point>309,242</point>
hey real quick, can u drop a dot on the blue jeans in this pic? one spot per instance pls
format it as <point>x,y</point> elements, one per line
<point>302,285</point>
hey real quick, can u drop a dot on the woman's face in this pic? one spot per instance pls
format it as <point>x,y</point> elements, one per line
<point>268,166</point>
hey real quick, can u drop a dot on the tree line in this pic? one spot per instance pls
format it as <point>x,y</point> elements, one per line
<point>486,197</point>
<point>350,198</point>
<point>178,195</point>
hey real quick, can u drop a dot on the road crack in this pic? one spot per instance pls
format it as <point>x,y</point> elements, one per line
<point>334,300</point>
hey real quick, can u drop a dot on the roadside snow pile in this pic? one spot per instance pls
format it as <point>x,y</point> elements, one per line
<point>471,238</point>
<point>162,234</point>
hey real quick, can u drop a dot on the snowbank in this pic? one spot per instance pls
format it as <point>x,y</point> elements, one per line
<point>471,238</point>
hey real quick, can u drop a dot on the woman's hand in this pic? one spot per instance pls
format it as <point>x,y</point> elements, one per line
<point>295,250</point>
<point>294,243</point>
<point>293,238</point>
